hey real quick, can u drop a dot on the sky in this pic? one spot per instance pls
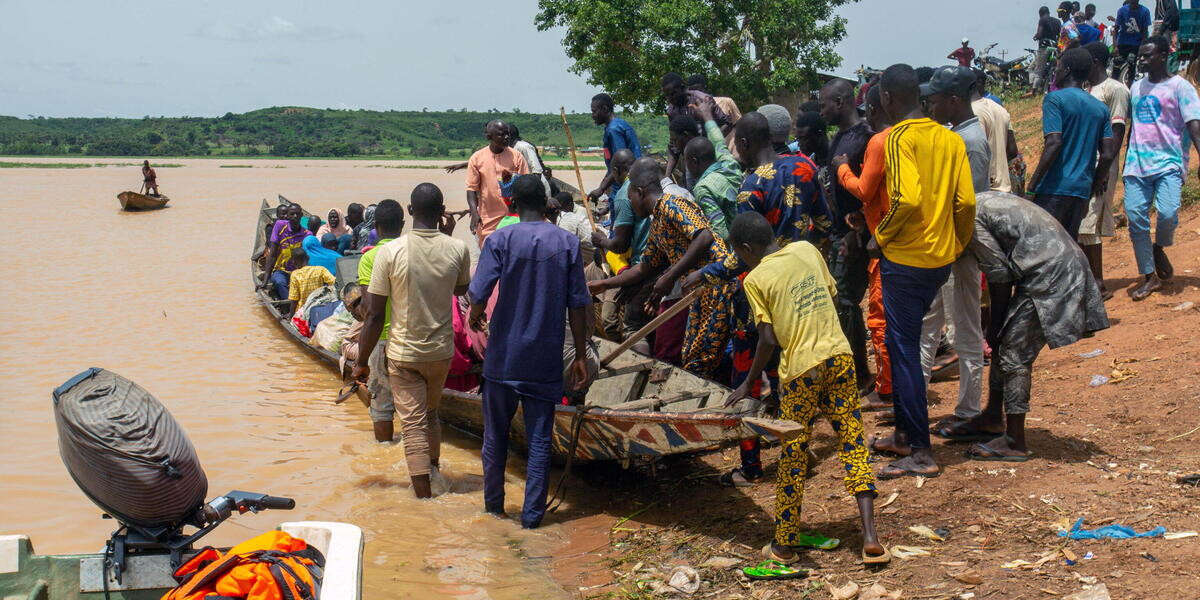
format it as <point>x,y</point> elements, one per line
<point>129,58</point>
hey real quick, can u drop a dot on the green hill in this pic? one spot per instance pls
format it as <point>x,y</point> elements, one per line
<point>299,131</point>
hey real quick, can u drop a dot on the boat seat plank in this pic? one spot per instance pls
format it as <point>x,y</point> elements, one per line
<point>627,369</point>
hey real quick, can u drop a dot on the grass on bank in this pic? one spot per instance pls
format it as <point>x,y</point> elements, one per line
<point>74,165</point>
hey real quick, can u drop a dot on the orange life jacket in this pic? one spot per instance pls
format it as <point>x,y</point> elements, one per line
<point>272,566</point>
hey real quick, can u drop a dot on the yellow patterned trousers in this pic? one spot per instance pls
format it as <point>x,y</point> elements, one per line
<point>828,389</point>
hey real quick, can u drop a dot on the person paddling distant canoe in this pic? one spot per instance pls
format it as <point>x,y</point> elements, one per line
<point>149,179</point>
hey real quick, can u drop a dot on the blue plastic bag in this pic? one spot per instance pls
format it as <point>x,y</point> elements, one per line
<point>1111,532</point>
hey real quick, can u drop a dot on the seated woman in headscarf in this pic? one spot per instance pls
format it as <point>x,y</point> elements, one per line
<point>364,235</point>
<point>337,226</point>
<point>319,255</point>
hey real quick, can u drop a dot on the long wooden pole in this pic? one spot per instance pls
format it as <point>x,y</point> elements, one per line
<point>649,328</point>
<point>587,206</point>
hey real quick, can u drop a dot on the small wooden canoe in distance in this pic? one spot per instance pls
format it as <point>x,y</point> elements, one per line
<point>135,201</point>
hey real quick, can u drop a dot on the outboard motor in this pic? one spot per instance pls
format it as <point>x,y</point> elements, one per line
<point>126,452</point>
<point>130,457</point>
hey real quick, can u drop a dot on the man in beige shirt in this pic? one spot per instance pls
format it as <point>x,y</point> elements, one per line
<point>997,125</point>
<point>420,273</point>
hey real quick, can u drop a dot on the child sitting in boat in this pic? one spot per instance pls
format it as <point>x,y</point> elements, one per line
<point>305,279</point>
<point>791,292</point>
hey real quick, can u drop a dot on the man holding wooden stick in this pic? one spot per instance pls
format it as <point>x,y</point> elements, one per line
<point>680,241</point>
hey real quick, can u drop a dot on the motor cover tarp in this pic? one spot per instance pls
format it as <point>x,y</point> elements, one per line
<point>125,450</point>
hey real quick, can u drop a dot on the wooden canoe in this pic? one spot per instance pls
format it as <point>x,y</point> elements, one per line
<point>134,201</point>
<point>638,410</point>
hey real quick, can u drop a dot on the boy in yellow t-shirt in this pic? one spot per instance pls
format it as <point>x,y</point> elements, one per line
<point>791,295</point>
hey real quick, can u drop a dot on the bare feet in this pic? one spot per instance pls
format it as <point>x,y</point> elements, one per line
<point>875,401</point>
<point>919,464</point>
<point>971,430</point>
<point>1003,448</point>
<point>889,445</point>
<point>1149,286</point>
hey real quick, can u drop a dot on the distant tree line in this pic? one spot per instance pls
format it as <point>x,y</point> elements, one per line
<point>301,132</point>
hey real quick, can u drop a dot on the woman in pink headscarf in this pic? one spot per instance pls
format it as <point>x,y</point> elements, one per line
<point>336,224</point>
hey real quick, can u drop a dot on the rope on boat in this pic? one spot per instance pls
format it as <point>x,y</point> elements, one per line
<point>576,426</point>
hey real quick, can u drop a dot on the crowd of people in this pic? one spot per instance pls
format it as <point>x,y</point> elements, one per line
<point>777,235</point>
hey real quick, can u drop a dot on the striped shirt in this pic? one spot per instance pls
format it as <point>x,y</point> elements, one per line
<point>931,210</point>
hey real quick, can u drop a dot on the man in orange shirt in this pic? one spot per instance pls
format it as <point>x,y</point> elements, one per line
<point>488,167</point>
<point>870,188</point>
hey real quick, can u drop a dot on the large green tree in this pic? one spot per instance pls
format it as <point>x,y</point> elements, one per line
<point>751,50</point>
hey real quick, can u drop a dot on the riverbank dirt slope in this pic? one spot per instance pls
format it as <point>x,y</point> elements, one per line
<point>1109,454</point>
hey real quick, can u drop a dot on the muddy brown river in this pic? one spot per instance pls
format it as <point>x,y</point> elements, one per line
<point>164,298</point>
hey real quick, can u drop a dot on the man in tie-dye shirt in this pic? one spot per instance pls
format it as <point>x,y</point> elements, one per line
<point>1166,117</point>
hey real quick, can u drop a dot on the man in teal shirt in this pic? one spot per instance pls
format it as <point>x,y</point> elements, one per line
<point>719,174</point>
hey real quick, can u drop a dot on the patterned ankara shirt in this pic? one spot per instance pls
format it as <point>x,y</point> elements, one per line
<point>787,194</point>
<point>675,222</point>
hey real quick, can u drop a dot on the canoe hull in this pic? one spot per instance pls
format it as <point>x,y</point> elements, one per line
<point>133,201</point>
<point>624,435</point>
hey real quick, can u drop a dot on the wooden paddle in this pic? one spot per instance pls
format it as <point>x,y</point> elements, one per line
<point>649,328</point>
<point>587,206</point>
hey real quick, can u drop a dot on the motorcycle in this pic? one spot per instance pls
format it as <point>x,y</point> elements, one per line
<point>1004,73</point>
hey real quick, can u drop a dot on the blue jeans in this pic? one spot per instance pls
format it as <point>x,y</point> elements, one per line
<point>1164,191</point>
<point>280,279</point>
<point>499,406</point>
<point>908,292</point>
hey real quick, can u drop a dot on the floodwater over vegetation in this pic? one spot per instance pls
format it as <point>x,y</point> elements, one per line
<point>165,299</point>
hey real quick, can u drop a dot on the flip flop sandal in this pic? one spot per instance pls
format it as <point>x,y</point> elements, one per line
<point>351,389</point>
<point>768,552</point>
<point>817,541</point>
<point>883,476</point>
<point>938,367</point>
<point>967,435</point>
<point>982,453</point>
<point>880,559</point>
<point>1189,480</point>
<point>773,570</point>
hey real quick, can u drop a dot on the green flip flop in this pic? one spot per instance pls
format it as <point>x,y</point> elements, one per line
<point>816,541</point>
<point>773,570</point>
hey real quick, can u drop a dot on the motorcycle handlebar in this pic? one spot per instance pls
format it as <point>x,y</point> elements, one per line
<point>277,502</point>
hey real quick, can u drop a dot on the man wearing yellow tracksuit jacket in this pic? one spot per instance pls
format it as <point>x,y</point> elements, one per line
<point>930,220</point>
